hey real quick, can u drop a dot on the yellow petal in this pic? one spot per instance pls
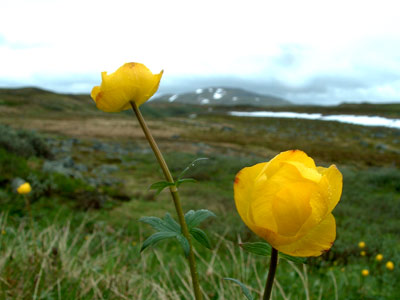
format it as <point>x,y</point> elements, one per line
<point>315,242</point>
<point>24,188</point>
<point>331,185</point>
<point>245,190</point>
<point>131,82</point>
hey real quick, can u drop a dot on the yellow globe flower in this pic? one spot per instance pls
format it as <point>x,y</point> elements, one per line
<point>288,202</point>
<point>361,245</point>
<point>379,257</point>
<point>390,265</point>
<point>24,188</point>
<point>365,272</point>
<point>363,253</point>
<point>131,82</point>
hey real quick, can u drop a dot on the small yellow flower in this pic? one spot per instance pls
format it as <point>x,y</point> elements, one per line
<point>24,188</point>
<point>363,253</point>
<point>134,243</point>
<point>131,82</point>
<point>390,265</point>
<point>288,201</point>
<point>86,237</point>
<point>379,257</point>
<point>3,232</point>
<point>361,244</point>
<point>365,272</point>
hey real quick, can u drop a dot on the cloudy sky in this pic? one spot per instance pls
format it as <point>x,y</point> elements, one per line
<point>319,51</point>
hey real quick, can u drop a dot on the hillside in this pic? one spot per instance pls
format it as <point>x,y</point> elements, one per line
<point>223,97</point>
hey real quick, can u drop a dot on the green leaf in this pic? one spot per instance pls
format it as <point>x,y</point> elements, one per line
<point>159,186</point>
<point>264,249</point>
<point>184,243</point>
<point>180,181</point>
<point>156,237</point>
<point>300,260</point>
<point>244,288</point>
<point>172,223</point>
<point>258,248</point>
<point>191,165</point>
<point>194,218</point>
<point>159,224</point>
<point>201,237</point>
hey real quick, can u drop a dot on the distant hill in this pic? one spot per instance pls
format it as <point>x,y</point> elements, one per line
<point>41,100</point>
<point>223,97</point>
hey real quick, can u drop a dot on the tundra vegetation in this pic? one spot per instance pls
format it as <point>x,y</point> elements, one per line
<point>90,174</point>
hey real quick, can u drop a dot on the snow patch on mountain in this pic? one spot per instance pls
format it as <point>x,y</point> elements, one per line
<point>173,98</point>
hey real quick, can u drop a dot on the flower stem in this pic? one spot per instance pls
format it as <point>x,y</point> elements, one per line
<point>175,197</point>
<point>271,274</point>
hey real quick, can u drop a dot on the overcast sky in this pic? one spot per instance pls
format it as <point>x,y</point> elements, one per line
<point>305,51</point>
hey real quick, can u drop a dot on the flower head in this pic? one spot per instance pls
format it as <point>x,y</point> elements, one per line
<point>133,82</point>
<point>379,257</point>
<point>390,265</point>
<point>365,272</point>
<point>288,202</point>
<point>363,253</point>
<point>361,244</point>
<point>24,188</point>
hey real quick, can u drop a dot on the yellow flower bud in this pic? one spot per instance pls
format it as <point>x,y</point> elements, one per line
<point>379,257</point>
<point>24,188</point>
<point>288,202</point>
<point>131,82</point>
<point>361,245</point>
<point>363,253</point>
<point>365,272</point>
<point>390,265</point>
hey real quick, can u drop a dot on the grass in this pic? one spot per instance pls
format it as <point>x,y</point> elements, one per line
<point>86,238</point>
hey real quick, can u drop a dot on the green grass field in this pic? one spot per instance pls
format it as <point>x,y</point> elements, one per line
<point>90,174</point>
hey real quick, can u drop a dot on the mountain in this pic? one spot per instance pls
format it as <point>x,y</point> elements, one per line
<point>214,96</point>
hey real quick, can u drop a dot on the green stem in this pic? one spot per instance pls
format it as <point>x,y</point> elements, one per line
<point>175,197</point>
<point>271,274</point>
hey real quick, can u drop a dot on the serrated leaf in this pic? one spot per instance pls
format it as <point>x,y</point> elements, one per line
<point>158,224</point>
<point>194,218</point>
<point>200,236</point>
<point>172,223</point>
<point>160,186</point>
<point>156,237</point>
<point>264,249</point>
<point>184,180</point>
<point>258,248</point>
<point>184,243</point>
<point>244,288</point>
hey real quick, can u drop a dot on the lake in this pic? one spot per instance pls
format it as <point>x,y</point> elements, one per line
<point>351,119</point>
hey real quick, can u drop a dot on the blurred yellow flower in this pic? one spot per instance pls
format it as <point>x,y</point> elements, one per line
<point>3,232</point>
<point>361,245</point>
<point>24,188</point>
<point>363,253</point>
<point>379,257</point>
<point>365,272</point>
<point>131,82</point>
<point>288,202</point>
<point>390,265</point>
<point>134,243</point>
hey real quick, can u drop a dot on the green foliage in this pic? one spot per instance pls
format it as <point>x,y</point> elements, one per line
<point>23,143</point>
<point>264,249</point>
<point>194,218</point>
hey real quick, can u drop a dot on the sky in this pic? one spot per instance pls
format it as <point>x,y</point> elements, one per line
<point>316,52</point>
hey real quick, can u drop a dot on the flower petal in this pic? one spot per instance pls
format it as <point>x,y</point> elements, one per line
<point>131,82</point>
<point>318,240</point>
<point>331,185</point>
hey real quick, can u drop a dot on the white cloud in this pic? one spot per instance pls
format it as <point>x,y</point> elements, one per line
<point>292,42</point>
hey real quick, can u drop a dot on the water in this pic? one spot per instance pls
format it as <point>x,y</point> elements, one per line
<point>350,119</point>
